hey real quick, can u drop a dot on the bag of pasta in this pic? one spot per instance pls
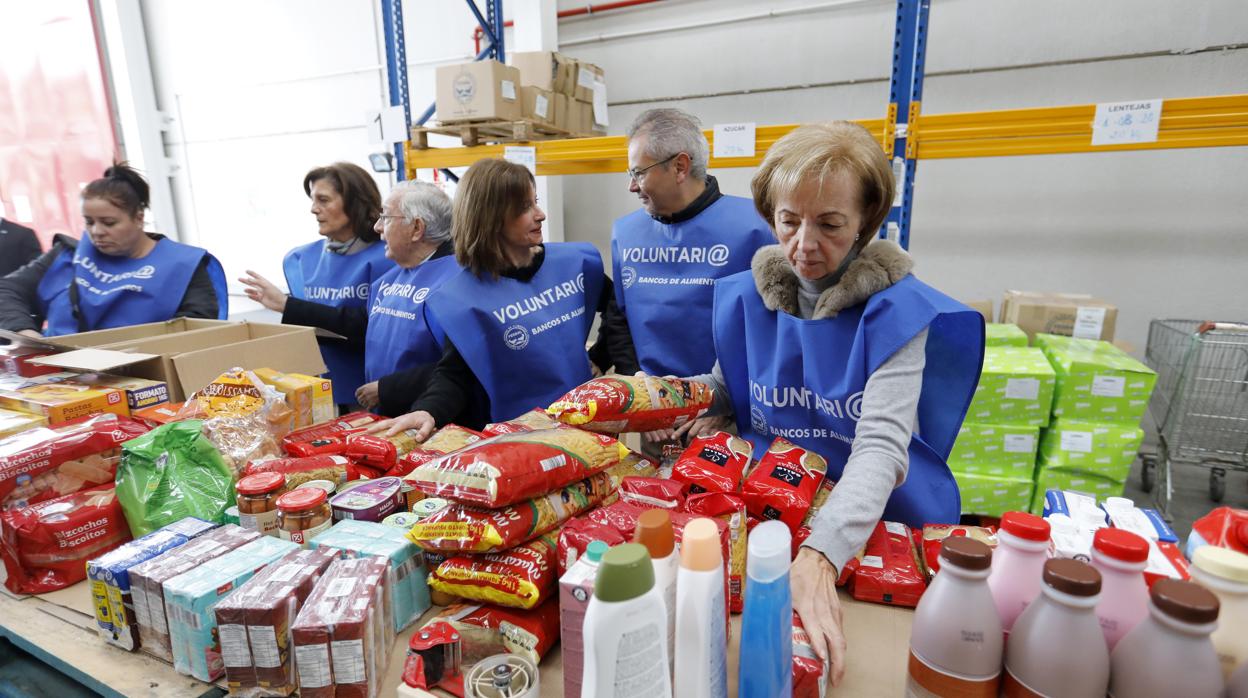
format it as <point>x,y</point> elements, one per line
<point>448,439</point>
<point>244,418</point>
<point>532,420</point>
<point>521,577</point>
<point>616,404</point>
<point>511,468</point>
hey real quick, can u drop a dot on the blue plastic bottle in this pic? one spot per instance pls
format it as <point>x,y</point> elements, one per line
<point>766,660</point>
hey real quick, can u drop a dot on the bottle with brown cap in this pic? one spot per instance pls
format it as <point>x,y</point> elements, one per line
<point>1056,648</point>
<point>654,530</point>
<point>1170,652</point>
<point>956,639</point>
<point>701,639</point>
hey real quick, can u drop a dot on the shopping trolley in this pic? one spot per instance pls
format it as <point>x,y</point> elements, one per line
<point>1200,402</point>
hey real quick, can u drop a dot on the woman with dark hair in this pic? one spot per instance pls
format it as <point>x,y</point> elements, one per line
<point>518,315</point>
<point>338,269</point>
<point>116,274</point>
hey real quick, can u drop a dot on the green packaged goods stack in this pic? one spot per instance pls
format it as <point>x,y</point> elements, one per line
<point>1098,448</point>
<point>1016,387</point>
<point>993,496</point>
<point>1096,381</point>
<point>1004,334</point>
<point>998,450</point>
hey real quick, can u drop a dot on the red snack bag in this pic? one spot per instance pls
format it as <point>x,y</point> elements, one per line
<point>329,431</point>
<point>810,674</point>
<point>519,578</point>
<point>448,439</point>
<point>934,535</point>
<point>713,463</point>
<point>653,492</point>
<point>459,528</point>
<point>614,404</point>
<point>730,509</point>
<point>511,468</point>
<point>42,464</point>
<point>46,546</point>
<point>380,453</point>
<point>889,570</point>
<point>784,483</point>
<point>808,523</point>
<point>336,469</point>
<point>529,421</point>
<point>490,630</point>
<point>1224,527</point>
<point>577,534</point>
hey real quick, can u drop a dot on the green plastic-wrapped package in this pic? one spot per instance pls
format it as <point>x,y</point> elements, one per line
<point>170,473</point>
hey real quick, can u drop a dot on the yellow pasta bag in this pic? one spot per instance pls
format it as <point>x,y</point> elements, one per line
<point>616,404</point>
<point>522,577</point>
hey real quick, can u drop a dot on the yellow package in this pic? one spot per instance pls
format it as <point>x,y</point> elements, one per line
<point>521,577</point>
<point>311,398</point>
<point>62,402</point>
<point>140,392</point>
<point>13,422</point>
<point>632,465</point>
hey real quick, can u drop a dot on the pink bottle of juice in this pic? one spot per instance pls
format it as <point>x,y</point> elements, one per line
<point>1120,556</point>
<point>1018,564</point>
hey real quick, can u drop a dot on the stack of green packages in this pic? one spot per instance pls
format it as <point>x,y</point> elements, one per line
<point>1004,334</point>
<point>994,457</point>
<point>1100,398</point>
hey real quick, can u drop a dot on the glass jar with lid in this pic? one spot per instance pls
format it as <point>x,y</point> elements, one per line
<point>302,514</point>
<point>257,501</point>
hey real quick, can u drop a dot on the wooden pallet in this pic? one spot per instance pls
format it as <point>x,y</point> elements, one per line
<point>478,132</point>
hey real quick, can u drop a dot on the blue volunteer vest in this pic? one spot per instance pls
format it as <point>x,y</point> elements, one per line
<point>340,281</point>
<point>525,340</point>
<point>398,335</point>
<point>804,379</point>
<point>665,275</point>
<point>119,291</point>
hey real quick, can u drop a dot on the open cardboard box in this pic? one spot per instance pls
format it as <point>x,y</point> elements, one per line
<point>186,354</point>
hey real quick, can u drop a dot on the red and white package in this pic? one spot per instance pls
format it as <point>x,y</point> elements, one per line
<point>42,464</point>
<point>810,674</point>
<point>1224,527</point>
<point>1165,561</point>
<point>713,463</point>
<point>336,469</point>
<point>488,630</point>
<point>448,439</point>
<point>783,485</point>
<point>46,546</point>
<point>808,523</point>
<point>889,571</point>
<point>652,492</point>
<point>934,535</point>
<point>577,534</point>
<point>730,509</point>
<point>326,437</point>
<point>532,420</point>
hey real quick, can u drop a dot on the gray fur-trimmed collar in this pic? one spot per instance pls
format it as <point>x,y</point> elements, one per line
<point>881,264</point>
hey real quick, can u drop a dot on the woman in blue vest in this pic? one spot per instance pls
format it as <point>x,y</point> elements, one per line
<point>400,348</point>
<point>340,268</point>
<point>518,315</point>
<point>830,342</point>
<point>116,274</point>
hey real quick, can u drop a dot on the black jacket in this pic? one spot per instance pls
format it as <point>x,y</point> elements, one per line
<point>18,246</point>
<point>19,292</point>
<point>394,391</point>
<point>454,394</point>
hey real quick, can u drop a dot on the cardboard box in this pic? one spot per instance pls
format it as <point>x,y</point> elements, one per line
<point>1015,387</point>
<point>999,450</point>
<point>65,401</point>
<point>187,354</point>
<point>1096,486</point>
<point>140,392</point>
<point>546,70</point>
<point>584,116</point>
<point>586,75</point>
<point>563,118</point>
<point>1070,314</point>
<point>1003,334</point>
<point>478,91</point>
<point>15,360</point>
<point>158,415</point>
<point>993,496</point>
<point>984,308</point>
<point>1106,449</point>
<point>311,398</point>
<point>1096,381</point>
<point>537,104</point>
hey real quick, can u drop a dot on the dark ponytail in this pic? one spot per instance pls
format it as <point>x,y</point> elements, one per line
<point>121,186</point>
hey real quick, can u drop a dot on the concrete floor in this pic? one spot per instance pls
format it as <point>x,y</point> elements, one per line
<point>1190,500</point>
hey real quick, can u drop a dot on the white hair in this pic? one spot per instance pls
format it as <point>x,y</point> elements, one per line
<point>672,131</point>
<point>425,201</point>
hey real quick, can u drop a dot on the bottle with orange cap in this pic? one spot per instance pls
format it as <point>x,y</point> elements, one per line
<point>654,531</point>
<point>701,641</point>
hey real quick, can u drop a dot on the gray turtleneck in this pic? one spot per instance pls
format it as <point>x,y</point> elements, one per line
<point>879,458</point>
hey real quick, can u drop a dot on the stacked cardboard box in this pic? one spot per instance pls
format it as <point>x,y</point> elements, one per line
<point>566,87</point>
<point>1070,314</point>
<point>1003,334</point>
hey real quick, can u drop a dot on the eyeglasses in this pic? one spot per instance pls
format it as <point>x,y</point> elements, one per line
<point>391,215</point>
<point>640,174</point>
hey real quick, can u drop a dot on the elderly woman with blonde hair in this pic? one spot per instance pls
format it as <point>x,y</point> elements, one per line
<point>831,342</point>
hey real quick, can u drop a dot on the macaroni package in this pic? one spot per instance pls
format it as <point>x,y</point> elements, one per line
<point>448,439</point>
<point>577,534</point>
<point>521,577</point>
<point>529,421</point>
<point>784,483</point>
<point>655,492</point>
<point>511,468</point>
<point>714,463</point>
<point>615,404</point>
<point>337,469</point>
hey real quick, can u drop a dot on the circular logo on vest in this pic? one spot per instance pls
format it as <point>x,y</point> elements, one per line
<point>361,291</point>
<point>419,295</point>
<point>516,337</point>
<point>853,406</point>
<point>758,421</point>
<point>629,276</point>
<point>147,271</point>
<point>717,255</point>
<point>465,88</point>
<point>580,282</point>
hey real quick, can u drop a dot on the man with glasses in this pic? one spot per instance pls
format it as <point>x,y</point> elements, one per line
<point>667,256</point>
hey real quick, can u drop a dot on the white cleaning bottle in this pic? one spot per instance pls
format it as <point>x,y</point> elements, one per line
<point>625,632</point>
<point>654,530</point>
<point>701,641</point>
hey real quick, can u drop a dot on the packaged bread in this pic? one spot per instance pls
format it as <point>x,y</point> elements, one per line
<point>243,417</point>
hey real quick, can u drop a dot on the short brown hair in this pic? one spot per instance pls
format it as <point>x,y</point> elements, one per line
<point>491,193</point>
<point>819,150</point>
<point>361,200</point>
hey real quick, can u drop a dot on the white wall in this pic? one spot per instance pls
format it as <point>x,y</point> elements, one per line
<point>262,91</point>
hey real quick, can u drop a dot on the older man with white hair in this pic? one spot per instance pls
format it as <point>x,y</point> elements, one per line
<point>400,346</point>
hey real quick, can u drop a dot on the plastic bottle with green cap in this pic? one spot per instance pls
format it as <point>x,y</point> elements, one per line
<point>576,586</point>
<point>701,614</point>
<point>625,632</point>
<point>1225,573</point>
<point>767,622</point>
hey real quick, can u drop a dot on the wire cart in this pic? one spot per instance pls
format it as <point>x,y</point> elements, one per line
<point>1200,402</point>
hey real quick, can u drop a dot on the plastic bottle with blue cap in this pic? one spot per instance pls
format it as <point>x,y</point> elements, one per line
<point>767,622</point>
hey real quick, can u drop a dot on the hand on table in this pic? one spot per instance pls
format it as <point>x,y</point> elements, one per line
<point>262,291</point>
<point>367,395</point>
<point>813,582</point>
<point>422,422</point>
